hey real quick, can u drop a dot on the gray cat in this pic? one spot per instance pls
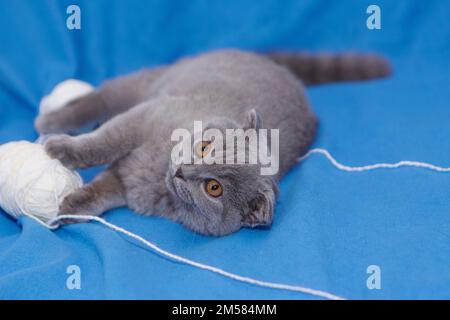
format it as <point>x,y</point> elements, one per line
<point>225,89</point>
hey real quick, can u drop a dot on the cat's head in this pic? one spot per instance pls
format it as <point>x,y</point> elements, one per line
<point>220,198</point>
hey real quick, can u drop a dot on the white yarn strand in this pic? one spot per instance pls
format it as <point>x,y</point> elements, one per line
<point>154,247</point>
<point>403,163</point>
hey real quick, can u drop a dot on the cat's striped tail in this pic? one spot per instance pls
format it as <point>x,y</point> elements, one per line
<point>320,68</point>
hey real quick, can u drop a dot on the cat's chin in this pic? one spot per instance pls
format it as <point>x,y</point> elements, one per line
<point>177,189</point>
<point>182,191</point>
<point>170,185</point>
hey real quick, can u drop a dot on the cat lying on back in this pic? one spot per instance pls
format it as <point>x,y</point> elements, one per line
<point>226,90</point>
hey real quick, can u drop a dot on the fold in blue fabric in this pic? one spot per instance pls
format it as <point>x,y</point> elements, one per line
<point>330,226</point>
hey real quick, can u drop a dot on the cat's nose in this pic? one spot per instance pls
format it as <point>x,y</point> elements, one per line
<point>179,173</point>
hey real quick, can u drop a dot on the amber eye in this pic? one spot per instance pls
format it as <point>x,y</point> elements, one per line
<point>213,188</point>
<point>203,148</point>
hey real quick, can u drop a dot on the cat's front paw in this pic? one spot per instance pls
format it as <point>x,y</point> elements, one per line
<point>49,123</point>
<point>64,149</point>
<point>81,202</point>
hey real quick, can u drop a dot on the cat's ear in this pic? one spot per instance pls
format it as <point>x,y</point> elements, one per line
<point>261,208</point>
<point>253,120</point>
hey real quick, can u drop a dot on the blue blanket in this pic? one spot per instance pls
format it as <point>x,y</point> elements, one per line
<point>330,225</point>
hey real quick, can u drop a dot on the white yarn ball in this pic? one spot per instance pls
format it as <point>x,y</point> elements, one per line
<point>63,93</point>
<point>31,183</point>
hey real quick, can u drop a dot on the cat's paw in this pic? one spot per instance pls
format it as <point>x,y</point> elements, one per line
<point>80,202</point>
<point>49,123</point>
<point>63,148</point>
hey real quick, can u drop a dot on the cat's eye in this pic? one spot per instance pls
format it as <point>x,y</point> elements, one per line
<point>202,148</point>
<point>213,188</point>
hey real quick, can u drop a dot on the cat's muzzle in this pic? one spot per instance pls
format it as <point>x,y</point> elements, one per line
<point>181,190</point>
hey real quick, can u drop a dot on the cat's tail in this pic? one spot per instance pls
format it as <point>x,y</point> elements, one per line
<point>315,69</point>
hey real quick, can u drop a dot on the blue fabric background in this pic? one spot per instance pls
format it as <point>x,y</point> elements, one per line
<point>330,225</point>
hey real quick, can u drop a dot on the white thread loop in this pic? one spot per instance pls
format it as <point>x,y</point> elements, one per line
<point>199,265</point>
<point>404,163</point>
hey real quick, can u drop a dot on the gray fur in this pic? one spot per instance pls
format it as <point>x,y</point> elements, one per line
<point>321,68</point>
<point>224,89</point>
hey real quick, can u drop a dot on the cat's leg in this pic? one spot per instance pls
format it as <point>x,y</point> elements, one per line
<point>112,141</point>
<point>113,97</point>
<point>83,111</point>
<point>105,192</point>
